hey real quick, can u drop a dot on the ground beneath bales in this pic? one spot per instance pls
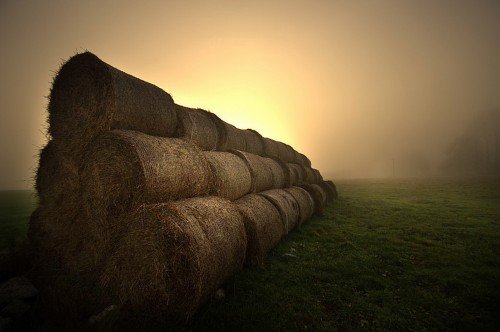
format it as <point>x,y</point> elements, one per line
<point>398,254</point>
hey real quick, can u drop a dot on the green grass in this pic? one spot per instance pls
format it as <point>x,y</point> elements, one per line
<point>388,255</point>
<point>412,254</point>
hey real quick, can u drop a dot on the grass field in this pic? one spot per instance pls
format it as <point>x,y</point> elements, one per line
<point>409,254</point>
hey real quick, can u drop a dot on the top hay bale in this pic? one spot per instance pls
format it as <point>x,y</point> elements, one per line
<point>301,159</point>
<point>278,150</point>
<point>318,176</point>
<point>232,138</point>
<point>89,97</point>
<point>174,256</point>
<point>197,125</point>
<point>254,142</point>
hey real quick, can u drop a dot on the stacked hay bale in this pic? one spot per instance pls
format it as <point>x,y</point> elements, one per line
<point>156,202</point>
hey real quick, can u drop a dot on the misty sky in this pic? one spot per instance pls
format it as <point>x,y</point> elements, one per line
<point>352,84</point>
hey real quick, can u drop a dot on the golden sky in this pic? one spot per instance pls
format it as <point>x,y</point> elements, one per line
<point>352,84</point>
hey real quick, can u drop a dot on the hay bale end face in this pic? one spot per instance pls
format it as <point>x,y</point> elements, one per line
<point>305,202</point>
<point>231,176</point>
<point>263,224</point>
<point>197,126</point>
<point>57,175</point>
<point>89,97</point>
<point>286,205</point>
<point>318,195</point>
<point>174,256</point>
<point>128,168</point>
<point>262,176</point>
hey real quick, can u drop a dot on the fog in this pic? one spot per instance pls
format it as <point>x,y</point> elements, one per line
<point>364,88</point>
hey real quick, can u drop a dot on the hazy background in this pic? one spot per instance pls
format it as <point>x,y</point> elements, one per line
<point>352,84</point>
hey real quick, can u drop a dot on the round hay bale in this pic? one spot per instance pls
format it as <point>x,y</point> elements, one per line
<point>263,224</point>
<point>328,191</point>
<point>318,195</point>
<point>297,158</point>
<point>254,142</point>
<point>287,153</point>
<point>127,168</point>
<point>174,256</point>
<point>233,138</point>
<point>197,126</point>
<point>262,176</point>
<point>271,148</point>
<point>57,175</point>
<point>89,97</point>
<point>279,176</point>
<point>304,161</point>
<point>296,174</point>
<point>310,175</point>
<point>231,176</point>
<point>334,188</point>
<point>305,202</point>
<point>61,238</point>
<point>286,205</point>
<point>317,176</point>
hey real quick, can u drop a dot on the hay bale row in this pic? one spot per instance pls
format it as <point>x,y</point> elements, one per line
<point>174,256</point>
<point>90,97</point>
<point>125,180</point>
